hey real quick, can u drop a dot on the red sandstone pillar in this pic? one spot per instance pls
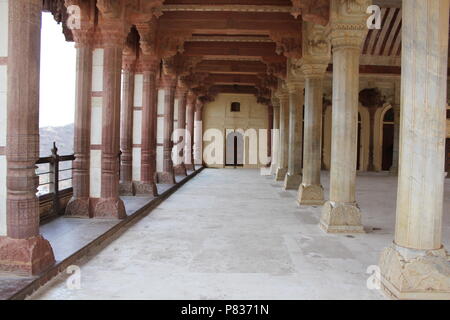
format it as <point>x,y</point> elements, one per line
<point>23,249</point>
<point>190,110</point>
<point>109,204</point>
<point>147,185</point>
<point>169,84</point>
<point>126,126</point>
<point>78,206</point>
<point>181,96</point>
<point>198,134</point>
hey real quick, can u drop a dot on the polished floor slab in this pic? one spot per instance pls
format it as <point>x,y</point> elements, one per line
<point>234,234</point>
<point>68,235</point>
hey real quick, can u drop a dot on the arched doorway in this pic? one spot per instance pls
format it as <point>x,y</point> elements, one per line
<point>388,140</point>
<point>234,150</point>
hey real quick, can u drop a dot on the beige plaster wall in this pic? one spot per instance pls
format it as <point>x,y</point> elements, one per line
<point>217,115</point>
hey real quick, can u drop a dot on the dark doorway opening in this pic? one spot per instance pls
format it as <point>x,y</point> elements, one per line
<point>234,149</point>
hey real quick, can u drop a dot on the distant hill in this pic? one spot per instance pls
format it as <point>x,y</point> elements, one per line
<point>63,136</point>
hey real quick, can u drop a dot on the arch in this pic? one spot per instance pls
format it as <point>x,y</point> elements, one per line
<point>364,138</point>
<point>378,136</point>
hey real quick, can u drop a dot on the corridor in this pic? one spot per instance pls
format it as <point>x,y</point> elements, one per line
<point>234,234</point>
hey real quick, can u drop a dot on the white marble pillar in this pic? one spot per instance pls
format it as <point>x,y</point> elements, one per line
<point>275,136</point>
<point>341,213</point>
<point>295,156</point>
<point>283,145</point>
<point>311,190</point>
<point>416,265</point>
<point>393,170</point>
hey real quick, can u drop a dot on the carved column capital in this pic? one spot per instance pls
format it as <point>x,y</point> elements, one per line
<point>314,71</point>
<point>348,23</point>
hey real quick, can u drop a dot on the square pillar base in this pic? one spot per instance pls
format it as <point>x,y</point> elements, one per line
<point>166,177</point>
<point>273,168</point>
<point>280,174</point>
<point>310,195</point>
<point>292,182</point>
<point>415,274</point>
<point>145,189</point>
<point>341,218</point>
<point>180,170</point>
<point>77,208</point>
<point>110,208</point>
<point>25,256</point>
<point>126,189</point>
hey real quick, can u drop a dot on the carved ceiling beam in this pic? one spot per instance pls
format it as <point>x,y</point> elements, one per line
<point>290,45</point>
<point>231,67</point>
<point>226,23</point>
<point>227,8</point>
<point>317,11</point>
<point>238,50</point>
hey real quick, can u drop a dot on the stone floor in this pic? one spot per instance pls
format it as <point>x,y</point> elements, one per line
<point>68,235</point>
<point>234,234</point>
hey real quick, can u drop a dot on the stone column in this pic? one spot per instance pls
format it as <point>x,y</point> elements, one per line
<point>394,168</point>
<point>275,136</point>
<point>416,265</point>
<point>283,147</point>
<point>295,156</point>
<point>189,150</point>
<point>126,127</point>
<point>78,206</point>
<point>198,134</point>
<point>311,190</point>
<point>23,250</point>
<point>341,213</point>
<point>269,131</point>
<point>181,95</point>
<point>169,84</point>
<point>110,205</point>
<point>147,184</point>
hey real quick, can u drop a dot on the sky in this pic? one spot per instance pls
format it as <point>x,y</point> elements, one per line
<point>58,72</point>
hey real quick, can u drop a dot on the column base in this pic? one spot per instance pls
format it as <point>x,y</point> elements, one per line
<point>78,208</point>
<point>190,167</point>
<point>25,256</point>
<point>280,174</point>
<point>166,177</point>
<point>393,171</point>
<point>341,218</point>
<point>110,208</point>
<point>292,182</point>
<point>415,274</point>
<point>273,169</point>
<point>310,195</point>
<point>145,189</point>
<point>180,170</point>
<point>126,189</point>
